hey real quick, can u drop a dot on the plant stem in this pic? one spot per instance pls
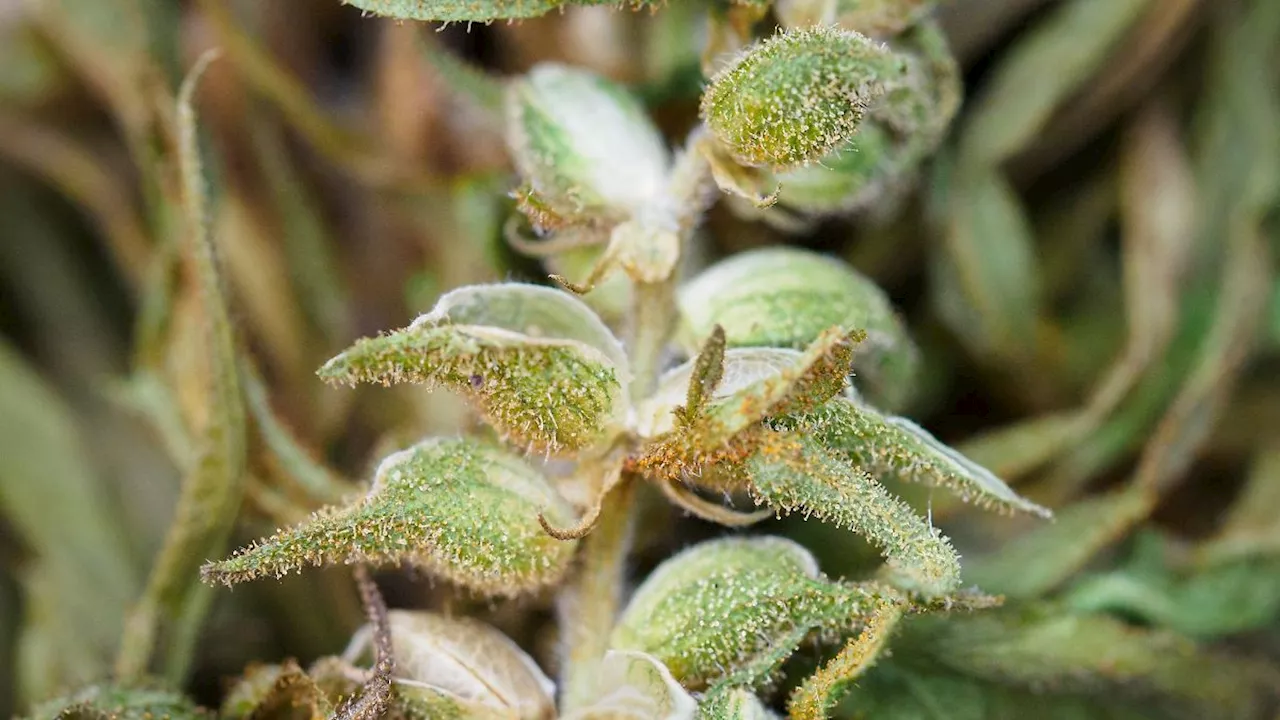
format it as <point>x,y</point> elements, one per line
<point>589,609</point>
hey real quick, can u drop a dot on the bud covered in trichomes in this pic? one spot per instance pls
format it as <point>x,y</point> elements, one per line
<point>733,703</point>
<point>734,609</point>
<point>115,702</point>
<point>791,99</point>
<point>584,146</point>
<point>786,297</point>
<point>540,366</point>
<point>462,509</point>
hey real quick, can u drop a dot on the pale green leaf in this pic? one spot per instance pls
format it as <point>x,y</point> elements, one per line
<point>461,509</point>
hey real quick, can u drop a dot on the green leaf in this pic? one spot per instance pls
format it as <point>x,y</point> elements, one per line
<point>726,702</point>
<point>1041,560</point>
<point>785,297</point>
<point>794,473</point>
<point>892,447</point>
<point>1043,648</point>
<point>875,18</point>
<point>584,145</point>
<point>540,365</point>
<point>734,609</point>
<point>459,508</point>
<point>819,692</point>
<point>795,97</point>
<point>457,10</point>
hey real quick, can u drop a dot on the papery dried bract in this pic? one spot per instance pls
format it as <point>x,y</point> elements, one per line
<point>462,509</point>
<point>540,365</point>
<point>793,98</point>
<point>585,147</point>
<point>635,686</point>
<point>737,608</point>
<point>469,661</point>
<point>783,297</point>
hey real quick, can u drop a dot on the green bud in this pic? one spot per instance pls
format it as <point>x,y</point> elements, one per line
<point>896,448</point>
<point>462,509</point>
<point>734,609</point>
<point>785,297</point>
<point>795,97</point>
<point>111,702</point>
<point>468,662</point>
<point>631,685</point>
<point>539,364</point>
<point>584,145</point>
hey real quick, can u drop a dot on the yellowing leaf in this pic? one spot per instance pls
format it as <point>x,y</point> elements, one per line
<point>459,508</point>
<point>539,364</point>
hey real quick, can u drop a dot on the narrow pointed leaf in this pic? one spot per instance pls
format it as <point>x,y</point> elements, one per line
<point>461,509</point>
<point>540,365</point>
<point>737,607</point>
<point>894,447</point>
<point>786,298</point>
<point>794,473</point>
<point>819,692</point>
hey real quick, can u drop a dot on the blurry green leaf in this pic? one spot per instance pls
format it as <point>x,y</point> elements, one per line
<point>211,494</point>
<point>786,298</point>
<point>461,509</point>
<point>794,473</point>
<point>1042,648</point>
<point>1252,526</point>
<point>635,686</point>
<point>733,609</point>
<point>797,96</point>
<point>82,576</point>
<point>1041,560</point>
<point>30,73</point>
<point>1025,446</point>
<point>876,18</point>
<point>541,366</point>
<point>886,446</point>
<point>1042,70</point>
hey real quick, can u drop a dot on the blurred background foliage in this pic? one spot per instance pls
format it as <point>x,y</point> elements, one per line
<point>1089,266</point>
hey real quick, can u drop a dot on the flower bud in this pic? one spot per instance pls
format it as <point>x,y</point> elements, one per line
<point>785,298</point>
<point>795,97</point>
<point>584,146</point>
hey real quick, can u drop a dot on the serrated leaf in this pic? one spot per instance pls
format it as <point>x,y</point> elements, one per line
<point>819,692</point>
<point>539,364</point>
<point>886,446</point>
<point>459,508</point>
<point>114,702</point>
<point>583,144</point>
<point>635,686</point>
<point>735,608</point>
<point>786,297</point>
<point>791,99</point>
<point>794,473</point>
<point>467,660</point>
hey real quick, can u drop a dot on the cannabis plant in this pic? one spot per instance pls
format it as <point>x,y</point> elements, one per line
<point>629,512</point>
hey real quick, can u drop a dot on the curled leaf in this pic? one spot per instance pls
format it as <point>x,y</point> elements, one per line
<point>795,97</point>
<point>737,608</point>
<point>585,146</point>
<point>894,447</point>
<point>635,686</point>
<point>541,366</point>
<point>786,297</point>
<point>468,660</point>
<point>459,508</point>
<point>821,691</point>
